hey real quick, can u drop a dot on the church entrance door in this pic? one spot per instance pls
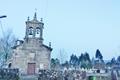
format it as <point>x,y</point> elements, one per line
<point>31,68</point>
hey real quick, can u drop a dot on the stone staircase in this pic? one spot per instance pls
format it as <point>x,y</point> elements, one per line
<point>28,77</point>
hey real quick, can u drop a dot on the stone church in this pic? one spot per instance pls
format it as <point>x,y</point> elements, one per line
<point>30,55</point>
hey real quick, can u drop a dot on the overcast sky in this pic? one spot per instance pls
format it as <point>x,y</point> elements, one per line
<point>73,26</point>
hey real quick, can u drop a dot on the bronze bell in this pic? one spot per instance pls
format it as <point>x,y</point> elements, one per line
<point>30,32</point>
<point>38,31</point>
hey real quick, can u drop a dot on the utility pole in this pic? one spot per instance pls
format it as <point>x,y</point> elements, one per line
<point>3,16</point>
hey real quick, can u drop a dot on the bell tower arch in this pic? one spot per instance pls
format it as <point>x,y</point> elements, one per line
<point>34,28</point>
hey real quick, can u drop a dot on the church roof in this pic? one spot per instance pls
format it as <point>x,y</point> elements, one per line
<point>14,47</point>
<point>47,47</point>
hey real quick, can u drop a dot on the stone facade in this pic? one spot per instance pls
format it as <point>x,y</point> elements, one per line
<point>31,54</point>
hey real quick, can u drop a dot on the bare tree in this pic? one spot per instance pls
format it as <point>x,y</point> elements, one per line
<point>62,56</point>
<point>6,44</point>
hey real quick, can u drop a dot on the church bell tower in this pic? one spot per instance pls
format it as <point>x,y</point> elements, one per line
<point>34,29</point>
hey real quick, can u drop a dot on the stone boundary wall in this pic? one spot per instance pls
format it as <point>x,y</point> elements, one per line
<point>61,75</point>
<point>9,74</point>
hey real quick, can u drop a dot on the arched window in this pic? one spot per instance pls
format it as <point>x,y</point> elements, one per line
<point>37,32</point>
<point>30,31</point>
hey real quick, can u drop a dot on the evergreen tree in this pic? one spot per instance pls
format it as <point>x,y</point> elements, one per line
<point>113,61</point>
<point>73,60</point>
<point>84,60</point>
<point>118,59</point>
<point>55,63</point>
<point>87,57</point>
<point>66,64</point>
<point>81,58</point>
<point>98,54</point>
